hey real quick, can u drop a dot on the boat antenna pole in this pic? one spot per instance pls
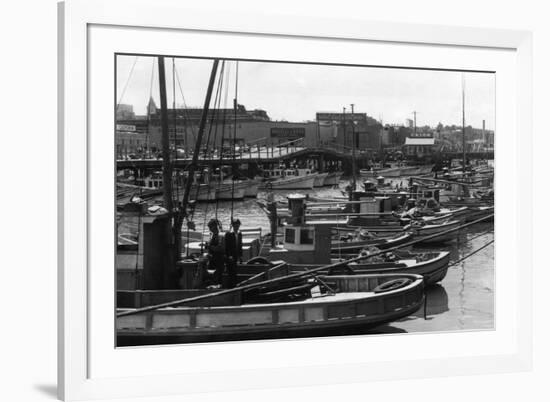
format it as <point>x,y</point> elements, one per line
<point>202,124</point>
<point>463,131</point>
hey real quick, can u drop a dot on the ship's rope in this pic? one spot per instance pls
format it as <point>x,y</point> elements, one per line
<point>127,82</point>
<point>175,194</point>
<point>186,112</point>
<point>148,134</point>
<point>224,117</point>
<point>471,254</point>
<point>235,107</point>
<point>213,121</point>
<point>136,269</point>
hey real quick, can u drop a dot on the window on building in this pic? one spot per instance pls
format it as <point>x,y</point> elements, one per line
<point>290,236</point>
<point>306,236</point>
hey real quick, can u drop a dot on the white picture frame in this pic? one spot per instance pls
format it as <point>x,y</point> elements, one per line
<point>78,308</point>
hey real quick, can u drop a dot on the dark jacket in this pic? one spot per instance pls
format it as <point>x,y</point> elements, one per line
<point>234,245</point>
<point>216,251</point>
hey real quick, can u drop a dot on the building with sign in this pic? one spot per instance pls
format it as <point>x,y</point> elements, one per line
<point>419,147</point>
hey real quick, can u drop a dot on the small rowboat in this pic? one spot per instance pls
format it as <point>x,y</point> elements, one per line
<point>422,230</point>
<point>332,179</point>
<point>431,265</point>
<point>342,245</point>
<point>320,179</point>
<point>339,303</point>
<point>290,183</point>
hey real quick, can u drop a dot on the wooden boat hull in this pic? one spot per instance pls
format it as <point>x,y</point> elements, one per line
<point>475,213</point>
<point>390,172</point>
<point>433,270</point>
<point>293,183</point>
<point>204,193</point>
<point>382,243</point>
<point>429,230</point>
<point>251,188</point>
<point>354,306</point>
<point>332,179</point>
<point>228,192</point>
<point>320,180</point>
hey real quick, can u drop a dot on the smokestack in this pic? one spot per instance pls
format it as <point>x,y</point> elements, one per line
<point>483,133</point>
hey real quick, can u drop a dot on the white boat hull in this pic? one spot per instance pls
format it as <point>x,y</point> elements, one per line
<point>332,179</point>
<point>320,180</point>
<point>300,182</point>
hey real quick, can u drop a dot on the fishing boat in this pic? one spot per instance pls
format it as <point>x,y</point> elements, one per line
<point>427,207</point>
<point>422,230</point>
<point>229,192</point>
<point>320,180</point>
<point>290,179</point>
<point>251,187</point>
<point>359,239</point>
<point>327,305</point>
<point>478,212</point>
<point>332,179</point>
<point>431,265</point>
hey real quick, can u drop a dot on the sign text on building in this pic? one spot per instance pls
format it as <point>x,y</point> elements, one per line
<point>125,127</point>
<point>288,132</point>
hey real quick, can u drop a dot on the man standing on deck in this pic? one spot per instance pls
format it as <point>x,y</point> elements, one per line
<point>216,251</point>
<point>272,209</point>
<point>233,251</point>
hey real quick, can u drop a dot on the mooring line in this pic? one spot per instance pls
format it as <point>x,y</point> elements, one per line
<point>472,253</point>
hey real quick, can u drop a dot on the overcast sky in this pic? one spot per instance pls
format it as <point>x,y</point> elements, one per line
<point>295,92</point>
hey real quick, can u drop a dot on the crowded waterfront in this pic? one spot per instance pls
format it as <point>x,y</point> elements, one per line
<point>329,228</point>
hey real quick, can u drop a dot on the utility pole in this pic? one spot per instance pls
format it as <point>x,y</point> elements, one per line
<point>353,148</point>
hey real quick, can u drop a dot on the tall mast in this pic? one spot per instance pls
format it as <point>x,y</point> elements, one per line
<point>463,130</point>
<point>202,125</point>
<point>344,126</point>
<point>166,165</point>
<point>353,147</point>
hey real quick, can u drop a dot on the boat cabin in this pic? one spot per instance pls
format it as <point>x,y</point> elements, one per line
<point>304,242</point>
<point>285,173</point>
<point>427,198</point>
<point>154,180</point>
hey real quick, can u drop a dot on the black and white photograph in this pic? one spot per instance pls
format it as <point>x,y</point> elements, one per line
<point>276,199</point>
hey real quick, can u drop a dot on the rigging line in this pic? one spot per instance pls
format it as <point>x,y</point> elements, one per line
<point>176,194</point>
<point>186,112</point>
<point>220,180</point>
<point>472,253</point>
<point>127,82</point>
<point>136,269</point>
<point>235,106</point>
<point>214,141</point>
<point>148,114</point>
<point>212,119</point>
<point>479,235</point>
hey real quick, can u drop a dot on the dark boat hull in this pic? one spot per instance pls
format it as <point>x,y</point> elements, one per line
<point>357,306</point>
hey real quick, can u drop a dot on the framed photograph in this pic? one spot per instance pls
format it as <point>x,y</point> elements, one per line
<point>301,201</point>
